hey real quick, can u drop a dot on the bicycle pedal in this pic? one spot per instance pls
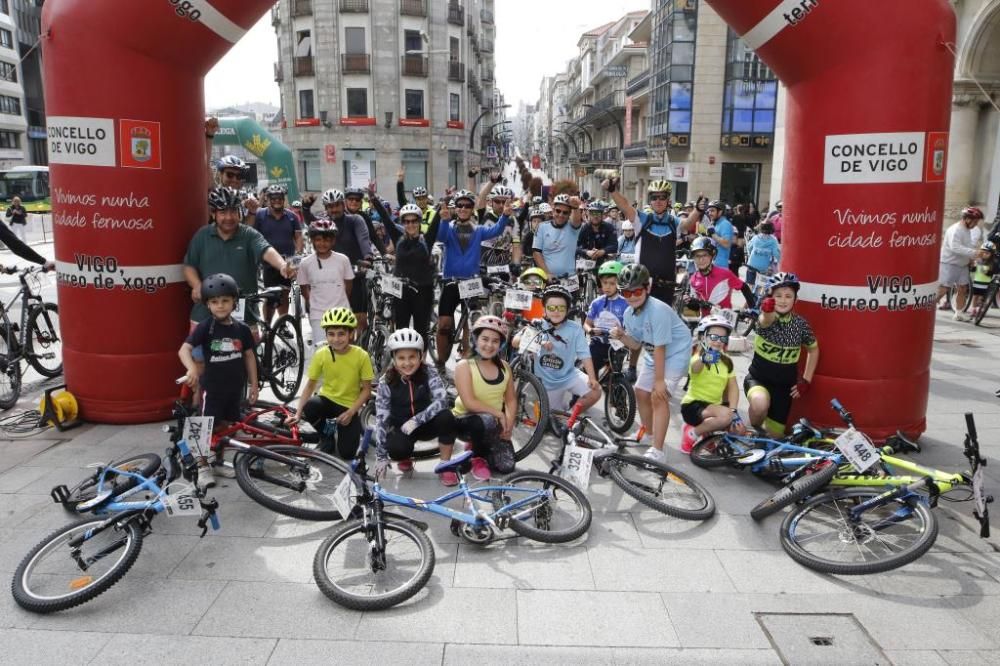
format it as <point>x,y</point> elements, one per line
<point>60,494</point>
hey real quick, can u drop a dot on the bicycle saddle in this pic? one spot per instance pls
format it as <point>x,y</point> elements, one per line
<point>459,463</point>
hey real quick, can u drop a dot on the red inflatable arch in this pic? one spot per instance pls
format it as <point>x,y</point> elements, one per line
<point>869,88</point>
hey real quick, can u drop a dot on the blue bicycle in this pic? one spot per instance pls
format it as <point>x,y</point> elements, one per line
<point>82,560</point>
<point>379,559</point>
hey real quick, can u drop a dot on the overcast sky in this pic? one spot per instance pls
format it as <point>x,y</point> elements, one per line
<point>535,38</point>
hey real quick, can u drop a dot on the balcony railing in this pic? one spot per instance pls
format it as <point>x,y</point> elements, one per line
<point>349,6</point>
<point>302,7</point>
<point>279,74</point>
<point>302,66</point>
<point>487,75</point>
<point>487,46</point>
<point>607,155</point>
<point>414,65</point>
<point>615,100</point>
<point>582,158</point>
<point>355,63</point>
<point>636,150</point>
<point>456,71</point>
<point>486,16</point>
<point>637,83</point>
<point>412,8</point>
<point>456,14</point>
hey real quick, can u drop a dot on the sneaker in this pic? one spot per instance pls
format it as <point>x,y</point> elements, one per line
<point>405,465</point>
<point>206,479</point>
<point>961,316</point>
<point>480,469</point>
<point>448,479</point>
<point>655,454</point>
<point>223,471</point>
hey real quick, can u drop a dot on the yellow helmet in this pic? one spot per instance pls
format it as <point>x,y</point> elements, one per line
<point>660,186</point>
<point>339,317</point>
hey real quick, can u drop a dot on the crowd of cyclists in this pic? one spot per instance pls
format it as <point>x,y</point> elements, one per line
<point>600,273</point>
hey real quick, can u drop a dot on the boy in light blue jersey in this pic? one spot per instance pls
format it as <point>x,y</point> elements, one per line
<point>606,312</point>
<point>654,327</point>
<point>563,343</point>
<point>554,246</point>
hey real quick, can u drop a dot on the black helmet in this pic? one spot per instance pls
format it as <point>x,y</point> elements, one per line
<point>557,290</point>
<point>224,198</point>
<point>633,276</point>
<point>219,284</point>
<point>703,244</point>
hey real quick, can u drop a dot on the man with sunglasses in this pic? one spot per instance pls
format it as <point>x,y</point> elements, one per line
<point>554,246</point>
<point>665,340</point>
<point>657,231</point>
<point>231,173</point>
<point>353,203</point>
<point>499,197</point>
<point>281,228</point>
<point>420,197</point>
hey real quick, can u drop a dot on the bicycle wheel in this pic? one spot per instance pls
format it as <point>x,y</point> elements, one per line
<point>144,464</point>
<point>532,413</point>
<point>351,569</point>
<point>10,366</point>
<point>286,356</point>
<point>432,337</point>
<point>54,576</point>
<point>814,477</point>
<point>991,294</point>
<point>619,404</point>
<point>376,348</point>
<point>820,535</point>
<point>717,449</point>
<point>300,493</point>
<point>43,346</point>
<point>661,487</point>
<point>562,514</point>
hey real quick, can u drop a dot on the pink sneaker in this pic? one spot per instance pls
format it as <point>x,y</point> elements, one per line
<point>405,465</point>
<point>448,479</point>
<point>688,438</point>
<point>480,469</point>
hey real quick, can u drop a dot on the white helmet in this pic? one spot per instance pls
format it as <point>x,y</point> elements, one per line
<point>561,199</point>
<point>544,208</point>
<point>713,320</point>
<point>627,226</point>
<point>332,197</point>
<point>501,192</point>
<point>419,191</point>
<point>405,338</point>
<point>410,209</point>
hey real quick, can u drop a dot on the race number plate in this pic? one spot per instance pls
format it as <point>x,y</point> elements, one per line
<point>576,466</point>
<point>198,433</point>
<point>585,264</point>
<point>181,500</point>
<point>502,268</point>
<point>857,449</point>
<point>517,299</point>
<point>392,286</point>
<point>240,312</point>
<point>627,257</point>
<point>530,341</point>
<point>730,315</point>
<point>572,283</point>
<point>470,288</point>
<point>343,497</point>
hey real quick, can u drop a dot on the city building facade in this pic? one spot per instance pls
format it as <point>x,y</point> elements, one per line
<point>13,126</point>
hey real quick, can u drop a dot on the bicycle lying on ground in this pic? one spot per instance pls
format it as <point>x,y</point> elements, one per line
<point>82,560</point>
<point>35,338</point>
<point>377,560</point>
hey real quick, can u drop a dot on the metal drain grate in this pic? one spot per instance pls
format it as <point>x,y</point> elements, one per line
<point>821,639</point>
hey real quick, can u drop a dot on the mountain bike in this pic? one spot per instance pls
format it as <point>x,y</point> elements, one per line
<point>474,295</point>
<point>888,522</point>
<point>280,352</point>
<point>82,560</point>
<point>377,559</point>
<point>654,484</point>
<point>619,395</point>
<point>381,320</point>
<point>989,300</point>
<point>34,338</point>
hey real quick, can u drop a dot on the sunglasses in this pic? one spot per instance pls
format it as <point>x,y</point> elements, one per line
<point>561,211</point>
<point>499,201</point>
<point>556,308</point>
<point>715,337</point>
<point>463,205</point>
<point>411,221</point>
<point>233,174</point>
<point>659,197</point>
<point>629,293</point>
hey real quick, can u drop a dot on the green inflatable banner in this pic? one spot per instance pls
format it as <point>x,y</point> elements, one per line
<point>277,158</point>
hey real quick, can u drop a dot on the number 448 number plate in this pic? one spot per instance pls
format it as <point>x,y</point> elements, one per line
<point>857,449</point>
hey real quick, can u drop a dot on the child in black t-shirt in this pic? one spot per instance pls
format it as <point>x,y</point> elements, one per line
<point>228,350</point>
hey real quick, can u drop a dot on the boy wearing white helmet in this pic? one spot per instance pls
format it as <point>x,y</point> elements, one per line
<point>712,381</point>
<point>627,241</point>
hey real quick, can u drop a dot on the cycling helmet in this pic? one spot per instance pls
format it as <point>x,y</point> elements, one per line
<point>332,197</point>
<point>535,212</point>
<point>354,192</point>
<point>627,226</point>
<point>777,204</point>
<point>660,186</point>
<point>595,206</point>
<point>230,162</point>
<point>544,209</point>
<point>633,276</point>
<point>612,206</point>
<point>419,192</point>
<point>410,209</point>
<point>989,246</point>
<point>610,268</point>
<point>767,227</point>
<point>713,320</point>
<point>219,284</point>
<point>224,198</point>
<point>536,275</point>
<point>557,290</point>
<point>451,202</point>
<point>296,204</point>
<point>536,200</point>
<point>561,199</point>
<point>718,204</point>
<point>342,317</point>
<point>703,244</point>
<point>322,228</point>
<point>784,279</point>
<point>973,212</point>
<point>501,192</point>
<point>490,323</point>
<point>276,191</point>
<point>465,194</point>
<point>404,338</point>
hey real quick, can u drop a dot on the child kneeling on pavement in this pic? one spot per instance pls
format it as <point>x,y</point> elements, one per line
<point>712,383</point>
<point>487,404</point>
<point>411,404</point>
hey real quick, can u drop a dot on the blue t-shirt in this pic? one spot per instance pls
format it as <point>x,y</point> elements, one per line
<point>657,324</point>
<point>558,247</point>
<point>603,307</point>
<point>279,232</point>
<point>569,345</point>
<point>724,229</point>
<point>463,262</point>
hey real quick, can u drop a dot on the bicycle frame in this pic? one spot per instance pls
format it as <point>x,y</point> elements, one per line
<point>945,481</point>
<point>472,497</point>
<point>261,436</point>
<point>29,301</point>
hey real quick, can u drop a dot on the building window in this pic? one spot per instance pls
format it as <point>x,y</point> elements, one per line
<point>357,102</point>
<point>5,7</point>
<point>10,105</point>
<point>454,49</point>
<point>310,168</point>
<point>8,71</point>
<point>675,25</point>
<point>414,103</point>
<point>303,44</point>
<point>306,104</point>
<point>10,139</point>
<point>455,107</point>
<point>412,41</point>
<point>6,38</point>
<point>750,98</point>
<point>354,41</point>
